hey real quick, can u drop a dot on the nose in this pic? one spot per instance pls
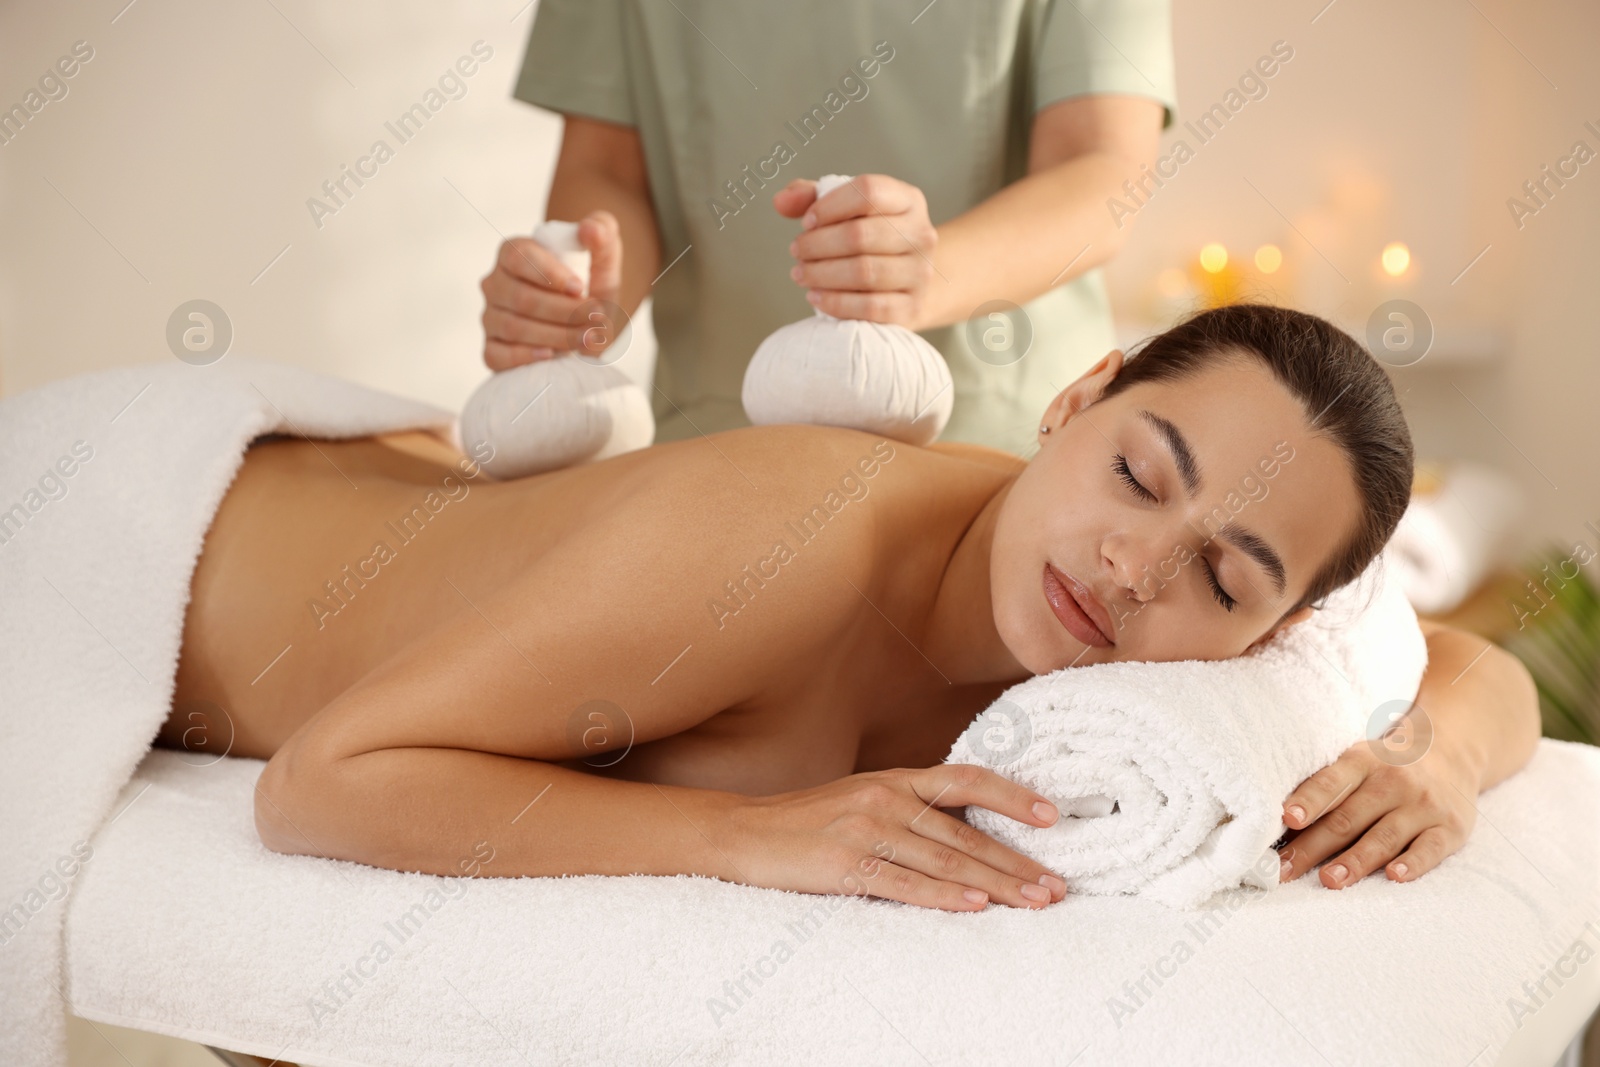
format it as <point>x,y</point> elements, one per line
<point>1132,562</point>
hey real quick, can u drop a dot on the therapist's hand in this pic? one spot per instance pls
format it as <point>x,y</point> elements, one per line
<point>533,308</point>
<point>1406,816</point>
<point>867,248</point>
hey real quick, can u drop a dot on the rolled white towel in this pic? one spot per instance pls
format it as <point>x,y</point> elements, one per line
<point>555,412</point>
<point>1447,541</point>
<point>1171,776</point>
<point>871,376</point>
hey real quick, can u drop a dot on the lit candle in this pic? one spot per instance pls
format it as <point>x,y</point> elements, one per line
<point>1396,259</point>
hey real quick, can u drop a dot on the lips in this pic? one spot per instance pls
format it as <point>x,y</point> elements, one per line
<point>1077,609</point>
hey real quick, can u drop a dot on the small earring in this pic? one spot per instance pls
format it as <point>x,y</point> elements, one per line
<point>1044,429</point>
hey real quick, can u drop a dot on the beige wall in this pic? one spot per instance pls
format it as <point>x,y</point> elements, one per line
<point>1416,123</point>
<point>192,140</point>
<point>191,143</point>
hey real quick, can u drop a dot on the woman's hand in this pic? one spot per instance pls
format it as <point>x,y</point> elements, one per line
<point>880,834</point>
<point>534,306</point>
<point>1409,815</point>
<point>867,249</point>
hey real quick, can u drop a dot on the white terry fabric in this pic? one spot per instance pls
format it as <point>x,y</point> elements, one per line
<point>95,584</point>
<point>557,412</point>
<point>1197,757</point>
<point>870,376</point>
<point>185,924</point>
<point>1447,541</point>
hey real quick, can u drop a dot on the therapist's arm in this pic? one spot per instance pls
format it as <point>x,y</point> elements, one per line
<point>601,182</point>
<point>1408,804</point>
<point>602,168</point>
<point>872,253</point>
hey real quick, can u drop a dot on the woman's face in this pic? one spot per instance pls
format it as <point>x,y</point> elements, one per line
<point>1176,520</point>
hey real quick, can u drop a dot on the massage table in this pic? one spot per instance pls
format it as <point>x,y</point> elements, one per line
<point>184,924</point>
<point>179,921</point>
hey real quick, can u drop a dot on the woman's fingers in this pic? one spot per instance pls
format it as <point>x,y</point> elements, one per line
<point>1330,833</point>
<point>882,833</point>
<point>1430,847</point>
<point>894,882</point>
<point>947,848</point>
<point>964,785</point>
<point>1386,840</point>
<point>944,848</point>
<point>1325,789</point>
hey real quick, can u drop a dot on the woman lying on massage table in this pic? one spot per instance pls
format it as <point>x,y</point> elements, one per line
<point>721,656</point>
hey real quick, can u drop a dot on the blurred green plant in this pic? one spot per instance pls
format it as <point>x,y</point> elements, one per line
<point>1560,645</point>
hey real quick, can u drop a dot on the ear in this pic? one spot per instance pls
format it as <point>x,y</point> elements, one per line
<point>1083,392</point>
<point>1284,623</point>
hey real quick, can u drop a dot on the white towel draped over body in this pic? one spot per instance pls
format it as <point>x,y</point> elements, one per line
<point>1171,777</point>
<point>108,483</point>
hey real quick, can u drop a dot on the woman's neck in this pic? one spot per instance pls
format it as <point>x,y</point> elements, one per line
<point>961,637</point>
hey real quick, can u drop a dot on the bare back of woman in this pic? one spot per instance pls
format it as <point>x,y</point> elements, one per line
<point>745,655</point>
<point>740,613</point>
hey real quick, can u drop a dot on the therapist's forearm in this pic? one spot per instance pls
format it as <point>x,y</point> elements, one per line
<point>1038,232</point>
<point>575,191</point>
<point>1482,703</point>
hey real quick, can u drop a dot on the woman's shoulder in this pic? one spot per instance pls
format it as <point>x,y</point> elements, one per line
<point>982,454</point>
<point>788,466</point>
<point>775,459</point>
<point>823,448</point>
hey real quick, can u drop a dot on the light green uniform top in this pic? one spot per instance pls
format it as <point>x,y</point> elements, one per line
<point>734,98</point>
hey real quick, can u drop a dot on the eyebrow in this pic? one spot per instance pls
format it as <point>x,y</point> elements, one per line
<point>1247,542</point>
<point>1178,445</point>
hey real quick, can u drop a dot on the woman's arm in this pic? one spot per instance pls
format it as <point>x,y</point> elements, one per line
<point>457,737</point>
<point>1482,700</point>
<point>873,253</point>
<point>1412,803</point>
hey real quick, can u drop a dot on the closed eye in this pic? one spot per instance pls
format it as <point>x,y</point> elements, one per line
<point>1125,473</point>
<point>1217,592</point>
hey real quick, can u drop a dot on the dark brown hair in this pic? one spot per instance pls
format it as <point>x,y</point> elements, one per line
<point>1345,393</point>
